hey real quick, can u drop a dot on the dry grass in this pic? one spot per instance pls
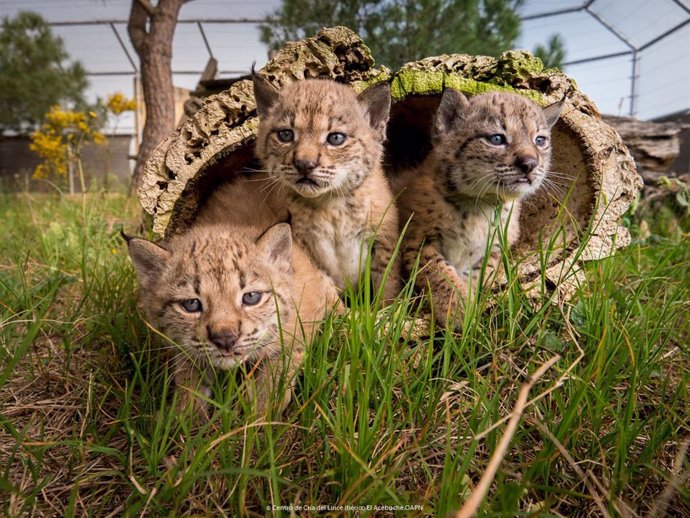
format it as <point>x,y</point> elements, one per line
<point>377,420</point>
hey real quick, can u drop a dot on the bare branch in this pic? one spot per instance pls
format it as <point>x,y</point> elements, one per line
<point>136,27</point>
<point>146,6</point>
<point>474,501</point>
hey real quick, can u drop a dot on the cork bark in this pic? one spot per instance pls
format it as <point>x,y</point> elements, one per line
<point>577,220</point>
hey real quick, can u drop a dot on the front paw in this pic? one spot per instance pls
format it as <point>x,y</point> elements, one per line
<point>266,395</point>
<point>391,289</point>
<point>450,313</point>
<point>264,402</point>
<point>193,402</point>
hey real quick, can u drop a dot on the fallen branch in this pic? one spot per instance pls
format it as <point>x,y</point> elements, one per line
<point>477,497</point>
<point>559,382</point>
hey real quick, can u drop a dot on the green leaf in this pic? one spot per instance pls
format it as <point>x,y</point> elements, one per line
<point>35,73</point>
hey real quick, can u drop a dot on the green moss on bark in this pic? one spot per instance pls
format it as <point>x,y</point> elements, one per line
<point>419,82</point>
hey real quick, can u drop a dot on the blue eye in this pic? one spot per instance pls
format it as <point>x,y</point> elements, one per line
<point>497,139</point>
<point>540,141</point>
<point>191,305</point>
<point>251,298</point>
<point>286,135</point>
<point>336,138</point>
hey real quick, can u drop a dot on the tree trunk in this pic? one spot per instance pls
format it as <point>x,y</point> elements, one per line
<point>151,30</point>
<point>577,219</point>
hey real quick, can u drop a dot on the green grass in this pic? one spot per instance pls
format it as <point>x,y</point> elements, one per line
<point>377,420</point>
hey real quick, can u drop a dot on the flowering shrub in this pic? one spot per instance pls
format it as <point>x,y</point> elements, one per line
<point>60,137</point>
<point>117,104</point>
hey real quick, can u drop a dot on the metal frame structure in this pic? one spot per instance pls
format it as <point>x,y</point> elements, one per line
<point>633,50</point>
<point>134,73</point>
<point>199,22</point>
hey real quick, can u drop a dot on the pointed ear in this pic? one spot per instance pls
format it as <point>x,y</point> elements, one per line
<point>265,94</point>
<point>377,102</point>
<point>148,259</point>
<point>453,105</point>
<point>552,112</point>
<point>275,245</point>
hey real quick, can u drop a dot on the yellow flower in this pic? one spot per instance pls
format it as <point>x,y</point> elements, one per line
<point>62,131</point>
<point>117,103</point>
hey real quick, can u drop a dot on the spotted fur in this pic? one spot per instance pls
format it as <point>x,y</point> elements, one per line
<point>489,152</point>
<point>335,191</point>
<point>218,266</point>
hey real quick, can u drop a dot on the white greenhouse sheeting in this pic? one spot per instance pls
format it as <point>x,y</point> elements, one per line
<point>590,29</point>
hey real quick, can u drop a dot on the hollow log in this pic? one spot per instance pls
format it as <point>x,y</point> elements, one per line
<point>577,219</point>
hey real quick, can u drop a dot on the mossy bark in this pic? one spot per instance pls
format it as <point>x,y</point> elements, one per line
<point>578,219</point>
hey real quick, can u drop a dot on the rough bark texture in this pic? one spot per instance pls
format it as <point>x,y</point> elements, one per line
<point>578,220</point>
<point>654,145</point>
<point>154,47</point>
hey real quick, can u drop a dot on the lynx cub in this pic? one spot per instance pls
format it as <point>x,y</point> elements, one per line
<point>324,145</point>
<point>489,152</point>
<point>226,295</point>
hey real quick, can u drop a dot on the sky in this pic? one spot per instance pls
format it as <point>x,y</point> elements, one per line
<point>663,71</point>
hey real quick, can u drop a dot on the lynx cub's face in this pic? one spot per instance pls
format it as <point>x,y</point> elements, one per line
<point>214,292</point>
<point>317,137</point>
<point>494,144</point>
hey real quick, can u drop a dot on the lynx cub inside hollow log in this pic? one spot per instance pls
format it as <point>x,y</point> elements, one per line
<point>489,152</point>
<point>228,295</point>
<point>324,144</point>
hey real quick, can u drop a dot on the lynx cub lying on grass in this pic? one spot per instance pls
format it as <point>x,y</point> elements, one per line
<point>489,152</point>
<point>230,295</point>
<point>324,145</point>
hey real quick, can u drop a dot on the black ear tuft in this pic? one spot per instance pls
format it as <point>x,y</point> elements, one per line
<point>265,94</point>
<point>124,236</point>
<point>451,109</point>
